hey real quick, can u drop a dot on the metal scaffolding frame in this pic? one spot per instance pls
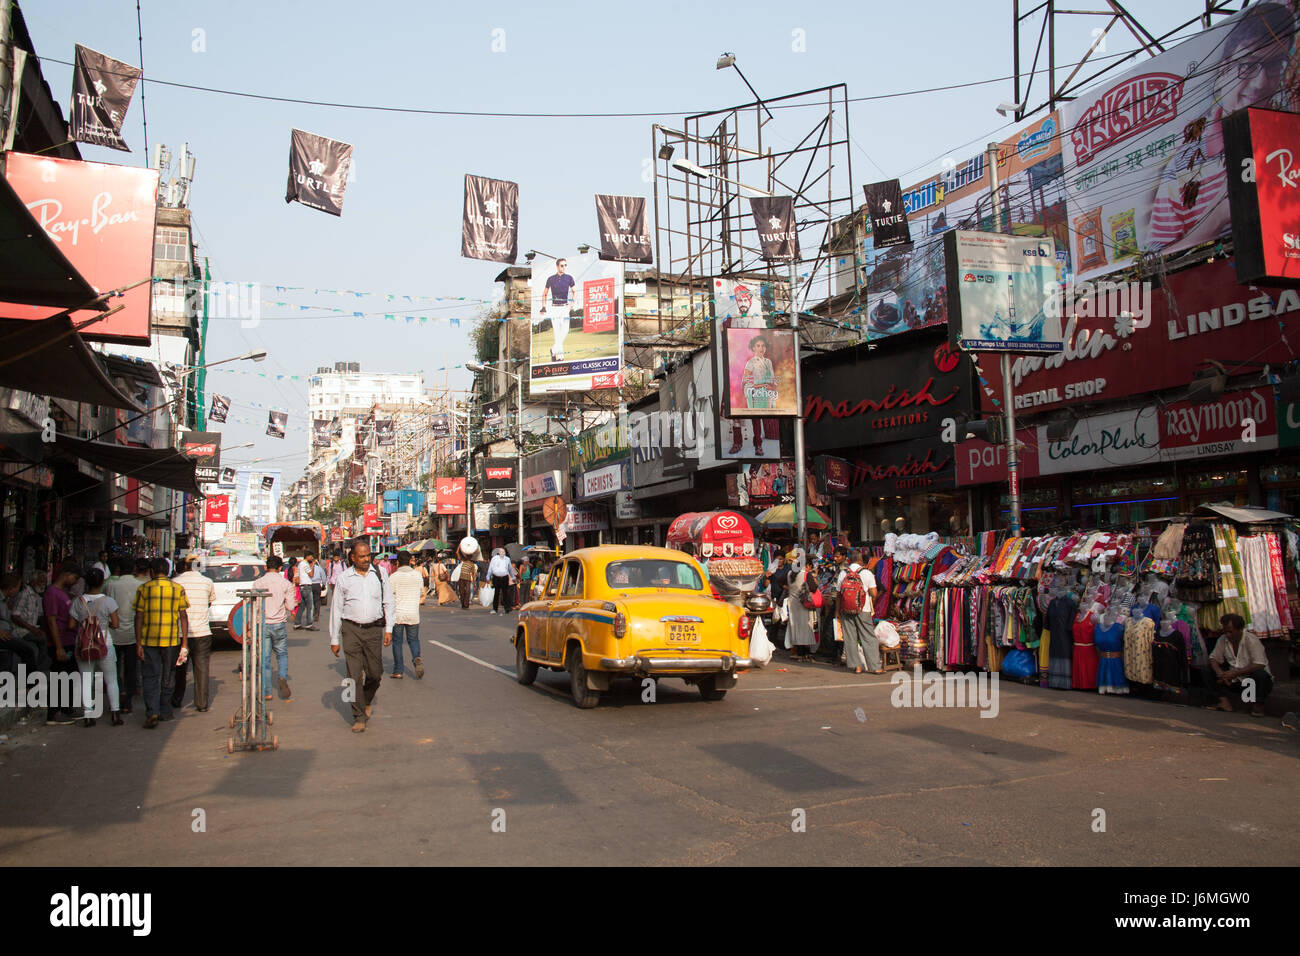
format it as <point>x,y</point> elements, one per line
<point>703,229</point>
<point>1113,14</point>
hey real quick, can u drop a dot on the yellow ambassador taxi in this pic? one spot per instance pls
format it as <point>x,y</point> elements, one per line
<point>633,611</point>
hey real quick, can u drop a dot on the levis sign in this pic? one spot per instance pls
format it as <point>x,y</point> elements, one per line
<point>1126,110</point>
<point>200,449</point>
<point>499,474</point>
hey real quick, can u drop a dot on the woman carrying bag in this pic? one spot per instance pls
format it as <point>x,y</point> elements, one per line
<point>95,617</point>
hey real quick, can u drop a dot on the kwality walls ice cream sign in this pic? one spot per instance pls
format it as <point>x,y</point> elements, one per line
<point>1134,339</point>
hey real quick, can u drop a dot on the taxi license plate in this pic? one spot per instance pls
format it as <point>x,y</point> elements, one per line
<point>682,633</point>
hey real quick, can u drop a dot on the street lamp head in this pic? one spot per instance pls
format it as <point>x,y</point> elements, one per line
<point>530,255</point>
<point>1005,108</point>
<point>256,355</point>
<point>584,249</point>
<point>726,60</point>
<point>686,166</point>
<point>475,366</point>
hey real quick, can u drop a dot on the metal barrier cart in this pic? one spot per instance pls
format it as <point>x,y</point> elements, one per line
<point>251,722</point>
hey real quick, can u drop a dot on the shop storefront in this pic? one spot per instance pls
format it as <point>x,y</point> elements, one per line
<point>881,411</point>
<point>601,462</point>
<point>546,475</point>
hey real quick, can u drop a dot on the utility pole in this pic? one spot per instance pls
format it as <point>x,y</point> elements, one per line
<point>1008,396</point>
<point>800,468</point>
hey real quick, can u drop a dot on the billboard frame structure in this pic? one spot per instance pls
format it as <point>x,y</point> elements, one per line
<point>1066,89</point>
<point>703,229</point>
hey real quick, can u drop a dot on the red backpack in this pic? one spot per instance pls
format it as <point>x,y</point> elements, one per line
<point>853,596</point>
<point>91,645</point>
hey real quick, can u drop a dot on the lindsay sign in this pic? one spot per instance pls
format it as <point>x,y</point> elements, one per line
<point>1205,313</point>
<point>102,218</point>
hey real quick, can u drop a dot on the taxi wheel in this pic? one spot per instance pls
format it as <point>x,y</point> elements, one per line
<point>709,689</point>
<point>584,697</point>
<point>525,670</point>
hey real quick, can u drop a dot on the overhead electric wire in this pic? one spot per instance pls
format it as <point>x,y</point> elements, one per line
<point>519,114</point>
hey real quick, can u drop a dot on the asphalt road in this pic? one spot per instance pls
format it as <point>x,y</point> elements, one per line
<point>468,767</point>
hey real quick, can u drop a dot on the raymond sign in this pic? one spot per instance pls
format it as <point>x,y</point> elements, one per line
<point>102,218</point>
<point>1232,423</point>
<point>451,496</point>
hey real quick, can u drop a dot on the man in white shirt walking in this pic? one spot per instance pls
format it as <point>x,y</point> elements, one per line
<point>362,611</point>
<point>277,608</point>
<point>408,594</point>
<point>121,589</point>
<point>499,570</point>
<point>306,576</point>
<point>199,590</point>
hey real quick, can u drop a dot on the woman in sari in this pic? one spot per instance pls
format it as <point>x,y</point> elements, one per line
<point>442,578</point>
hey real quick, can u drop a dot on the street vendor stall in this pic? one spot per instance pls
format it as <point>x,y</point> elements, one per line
<point>723,541</point>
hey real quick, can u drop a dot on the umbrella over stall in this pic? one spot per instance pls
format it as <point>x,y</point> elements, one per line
<point>783,517</point>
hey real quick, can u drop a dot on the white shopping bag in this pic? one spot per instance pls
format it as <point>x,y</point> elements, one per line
<point>760,648</point>
<point>485,595</point>
<point>455,574</point>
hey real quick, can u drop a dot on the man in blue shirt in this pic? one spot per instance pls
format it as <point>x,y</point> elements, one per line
<point>559,288</point>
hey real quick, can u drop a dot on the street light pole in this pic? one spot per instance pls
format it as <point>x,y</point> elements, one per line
<point>519,441</point>
<point>800,469</point>
<point>1008,394</point>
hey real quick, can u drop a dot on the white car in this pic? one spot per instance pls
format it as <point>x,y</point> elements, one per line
<point>230,573</point>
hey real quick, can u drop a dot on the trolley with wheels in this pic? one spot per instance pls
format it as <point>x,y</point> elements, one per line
<point>252,721</point>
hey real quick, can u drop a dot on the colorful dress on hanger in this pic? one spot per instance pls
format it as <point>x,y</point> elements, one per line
<point>1139,634</point>
<point>1083,674</point>
<point>1110,667</point>
<point>1060,614</point>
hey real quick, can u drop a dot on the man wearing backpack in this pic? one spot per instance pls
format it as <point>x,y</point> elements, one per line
<point>363,609</point>
<point>857,595</point>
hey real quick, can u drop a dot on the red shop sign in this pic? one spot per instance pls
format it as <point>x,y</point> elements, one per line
<point>217,509</point>
<point>1109,355</point>
<point>451,496</point>
<point>979,463</point>
<point>1233,423</point>
<point>102,218</point>
<point>1263,199</point>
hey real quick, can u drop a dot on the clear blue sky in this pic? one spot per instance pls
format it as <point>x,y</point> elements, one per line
<point>399,232</point>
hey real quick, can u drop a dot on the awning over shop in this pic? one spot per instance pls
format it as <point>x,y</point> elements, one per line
<point>48,357</point>
<point>159,466</point>
<point>33,270</point>
<point>1242,515</point>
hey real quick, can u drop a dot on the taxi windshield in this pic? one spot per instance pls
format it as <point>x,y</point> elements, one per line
<point>653,573</point>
